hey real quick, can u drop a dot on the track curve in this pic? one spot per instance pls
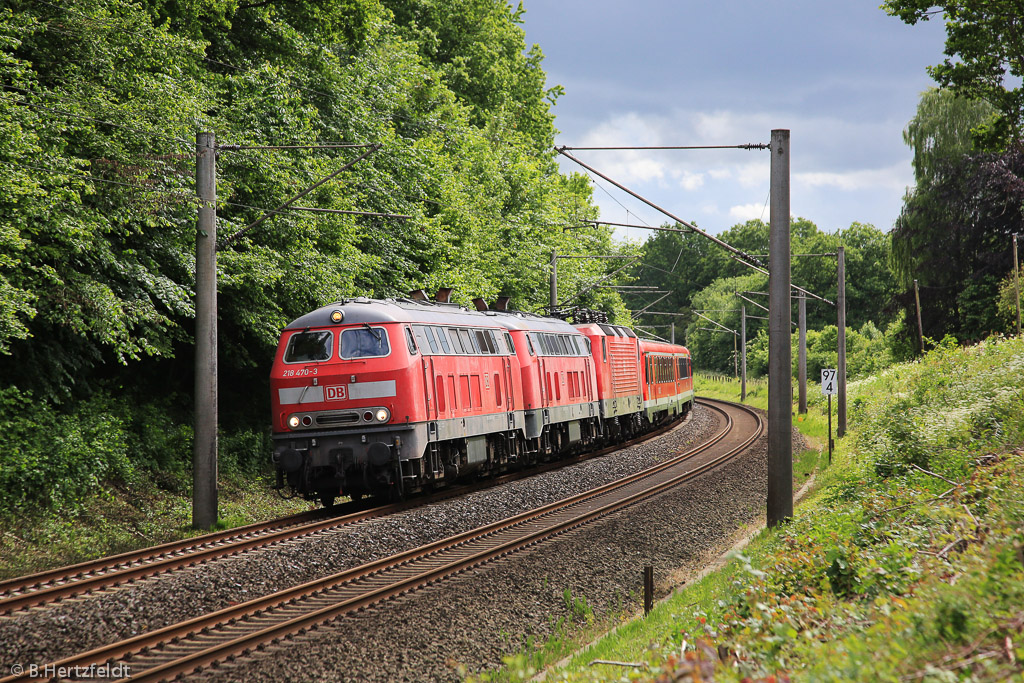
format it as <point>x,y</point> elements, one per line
<point>244,629</point>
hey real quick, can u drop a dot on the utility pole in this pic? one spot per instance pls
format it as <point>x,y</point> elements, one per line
<point>841,315</point>
<point>554,282</point>
<point>673,337</point>
<point>920,329</point>
<point>802,359</point>
<point>780,385</point>
<point>743,344</point>
<point>204,454</point>
<point>1016,281</point>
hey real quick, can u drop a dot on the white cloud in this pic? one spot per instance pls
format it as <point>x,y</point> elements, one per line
<point>842,170</point>
<point>746,212</point>
<point>691,181</point>
<point>894,177</point>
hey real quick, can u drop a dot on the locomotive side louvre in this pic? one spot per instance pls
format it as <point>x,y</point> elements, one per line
<point>616,355</point>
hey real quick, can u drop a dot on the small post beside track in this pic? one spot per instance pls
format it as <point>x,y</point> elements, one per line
<point>830,442</point>
<point>648,589</point>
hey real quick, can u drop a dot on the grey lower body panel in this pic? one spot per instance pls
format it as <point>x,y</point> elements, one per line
<point>473,425</point>
<point>337,448</point>
<point>671,404</point>
<point>537,419</point>
<point>623,405</point>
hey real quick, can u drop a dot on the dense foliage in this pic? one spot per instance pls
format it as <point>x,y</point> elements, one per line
<point>859,587</point>
<point>100,105</point>
<point>954,233</point>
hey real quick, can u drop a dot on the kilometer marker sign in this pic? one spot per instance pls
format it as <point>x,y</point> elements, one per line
<point>828,382</point>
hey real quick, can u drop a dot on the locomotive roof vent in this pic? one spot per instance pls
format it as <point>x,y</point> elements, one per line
<point>500,304</point>
<point>443,295</point>
<point>418,295</point>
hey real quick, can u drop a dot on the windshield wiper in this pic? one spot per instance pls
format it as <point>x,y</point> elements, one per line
<point>375,333</point>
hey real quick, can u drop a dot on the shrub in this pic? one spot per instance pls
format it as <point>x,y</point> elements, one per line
<point>53,459</point>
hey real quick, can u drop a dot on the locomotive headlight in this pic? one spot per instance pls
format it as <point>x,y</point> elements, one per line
<point>337,316</point>
<point>383,415</point>
<point>294,422</point>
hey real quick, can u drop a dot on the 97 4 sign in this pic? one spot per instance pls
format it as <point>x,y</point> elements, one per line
<point>828,382</point>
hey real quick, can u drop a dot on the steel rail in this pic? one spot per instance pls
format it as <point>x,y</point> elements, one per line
<point>438,567</point>
<point>111,563</point>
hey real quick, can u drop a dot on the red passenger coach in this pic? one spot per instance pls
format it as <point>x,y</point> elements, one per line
<point>668,380</point>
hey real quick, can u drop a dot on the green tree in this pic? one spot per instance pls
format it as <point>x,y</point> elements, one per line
<point>98,115</point>
<point>953,234</point>
<point>984,58</point>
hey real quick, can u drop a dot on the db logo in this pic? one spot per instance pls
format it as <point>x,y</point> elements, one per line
<point>336,393</point>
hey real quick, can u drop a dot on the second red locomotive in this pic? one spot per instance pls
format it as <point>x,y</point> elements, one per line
<point>388,397</point>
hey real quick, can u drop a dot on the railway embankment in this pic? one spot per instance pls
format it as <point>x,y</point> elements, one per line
<point>905,563</point>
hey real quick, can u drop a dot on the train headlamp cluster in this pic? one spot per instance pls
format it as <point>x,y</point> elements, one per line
<point>380,415</point>
<point>368,415</point>
<point>337,316</point>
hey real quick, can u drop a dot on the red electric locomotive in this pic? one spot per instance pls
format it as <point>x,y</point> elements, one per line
<point>616,355</point>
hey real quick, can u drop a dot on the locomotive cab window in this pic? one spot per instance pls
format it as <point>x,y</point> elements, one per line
<point>364,342</point>
<point>309,347</point>
<point>410,341</point>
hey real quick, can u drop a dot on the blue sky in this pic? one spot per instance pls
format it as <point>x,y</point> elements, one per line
<point>843,76</point>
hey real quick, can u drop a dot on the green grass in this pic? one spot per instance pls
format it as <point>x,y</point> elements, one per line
<point>127,518</point>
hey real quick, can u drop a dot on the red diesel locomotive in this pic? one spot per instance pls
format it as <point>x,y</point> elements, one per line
<point>388,397</point>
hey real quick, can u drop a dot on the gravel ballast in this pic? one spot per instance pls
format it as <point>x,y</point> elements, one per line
<point>472,620</point>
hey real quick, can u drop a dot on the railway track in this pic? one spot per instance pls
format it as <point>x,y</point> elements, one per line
<point>217,639</point>
<point>87,578</point>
